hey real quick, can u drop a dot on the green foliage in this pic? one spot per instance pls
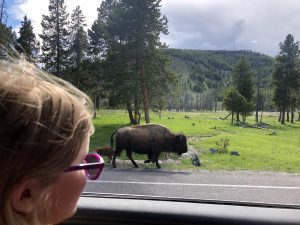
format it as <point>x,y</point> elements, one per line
<point>55,37</point>
<point>243,83</point>
<point>222,145</point>
<point>7,37</point>
<point>27,42</point>
<point>3,12</point>
<point>242,79</point>
<point>79,43</point>
<point>100,37</point>
<point>236,103</point>
<point>286,76</point>
<point>127,36</point>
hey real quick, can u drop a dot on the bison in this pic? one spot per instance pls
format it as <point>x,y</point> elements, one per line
<point>150,139</point>
<point>105,151</point>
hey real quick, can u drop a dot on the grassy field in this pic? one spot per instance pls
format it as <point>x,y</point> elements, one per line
<point>275,148</point>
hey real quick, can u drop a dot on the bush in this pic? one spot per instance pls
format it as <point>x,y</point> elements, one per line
<point>222,145</point>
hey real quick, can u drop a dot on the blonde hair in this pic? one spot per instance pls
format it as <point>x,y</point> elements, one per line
<point>43,121</point>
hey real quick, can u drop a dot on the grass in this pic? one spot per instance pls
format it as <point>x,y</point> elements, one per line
<point>276,148</point>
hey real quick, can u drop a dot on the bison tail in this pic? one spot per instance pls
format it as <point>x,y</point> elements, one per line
<point>112,139</point>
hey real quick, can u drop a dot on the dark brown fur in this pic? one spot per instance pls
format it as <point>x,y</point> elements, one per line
<point>150,139</point>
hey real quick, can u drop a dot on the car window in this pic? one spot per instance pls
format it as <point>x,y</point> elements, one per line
<point>194,100</point>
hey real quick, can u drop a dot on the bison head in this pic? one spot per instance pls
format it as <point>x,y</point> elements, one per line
<point>180,145</point>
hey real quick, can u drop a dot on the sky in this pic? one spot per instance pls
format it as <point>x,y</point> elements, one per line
<point>257,25</point>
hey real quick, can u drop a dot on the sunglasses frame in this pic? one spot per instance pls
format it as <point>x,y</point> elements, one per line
<point>85,166</point>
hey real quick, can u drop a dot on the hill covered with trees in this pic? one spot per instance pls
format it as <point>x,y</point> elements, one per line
<point>205,74</point>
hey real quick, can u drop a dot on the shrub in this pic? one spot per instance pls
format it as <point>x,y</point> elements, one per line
<point>222,145</point>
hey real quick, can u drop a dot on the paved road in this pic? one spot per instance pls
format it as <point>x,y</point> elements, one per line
<point>266,187</point>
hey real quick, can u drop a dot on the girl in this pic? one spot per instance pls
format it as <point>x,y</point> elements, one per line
<point>45,128</point>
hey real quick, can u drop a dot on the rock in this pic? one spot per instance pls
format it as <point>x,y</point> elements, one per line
<point>213,151</point>
<point>195,160</point>
<point>236,153</point>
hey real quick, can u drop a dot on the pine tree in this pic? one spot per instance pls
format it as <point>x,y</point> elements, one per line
<point>79,42</point>
<point>27,43</point>
<point>55,37</point>
<point>3,12</point>
<point>236,103</point>
<point>7,41</point>
<point>242,78</point>
<point>286,76</point>
<point>7,35</point>
<point>101,34</point>
<point>143,23</point>
<point>127,36</point>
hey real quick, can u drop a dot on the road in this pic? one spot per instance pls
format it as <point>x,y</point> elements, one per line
<point>245,186</point>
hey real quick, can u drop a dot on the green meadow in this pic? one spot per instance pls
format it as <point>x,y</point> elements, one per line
<point>275,147</point>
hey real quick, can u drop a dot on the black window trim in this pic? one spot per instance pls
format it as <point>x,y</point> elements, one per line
<point>95,208</point>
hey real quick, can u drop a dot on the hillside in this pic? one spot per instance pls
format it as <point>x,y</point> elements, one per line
<point>204,70</point>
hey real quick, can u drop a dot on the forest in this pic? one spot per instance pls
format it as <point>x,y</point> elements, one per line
<point>206,74</point>
<point>121,63</point>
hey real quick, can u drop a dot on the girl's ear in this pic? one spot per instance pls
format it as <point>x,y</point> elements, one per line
<point>25,196</point>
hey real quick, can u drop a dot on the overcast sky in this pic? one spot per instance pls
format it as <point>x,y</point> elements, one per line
<point>257,25</point>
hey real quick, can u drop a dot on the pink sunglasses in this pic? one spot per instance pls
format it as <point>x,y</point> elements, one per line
<point>93,166</point>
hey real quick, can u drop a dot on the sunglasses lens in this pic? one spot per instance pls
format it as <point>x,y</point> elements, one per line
<point>93,173</point>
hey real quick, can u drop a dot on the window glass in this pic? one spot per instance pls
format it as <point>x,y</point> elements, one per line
<point>219,78</point>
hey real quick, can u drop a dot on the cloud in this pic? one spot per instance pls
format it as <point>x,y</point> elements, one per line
<point>218,24</point>
<point>203,24</point>
<point>34,9</point>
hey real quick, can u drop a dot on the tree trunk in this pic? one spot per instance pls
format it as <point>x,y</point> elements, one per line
<point>95,106</point>
<point>256,115</point>
<point>131,118</point>
<point>232,115</point>
<point>216,104</point>
<point>78,59</point>
<point>96,101</point>
<point>279,117</point>
<point>261,116</point>
<point>136,106</point>
<point>288,115</point>
<point>227,116</point>
<point>146,104</point>
<point>139,118</point>
<point>292,116</point>
<point>257,99</point>
<point>57,42</point>
<point>283,115</point>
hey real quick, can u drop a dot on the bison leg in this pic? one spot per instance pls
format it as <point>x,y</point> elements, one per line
<point>149,158</point>
<point>129,155</point>
<point>155,151</point>
<point>114,158</point>
<point>156,160</point>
